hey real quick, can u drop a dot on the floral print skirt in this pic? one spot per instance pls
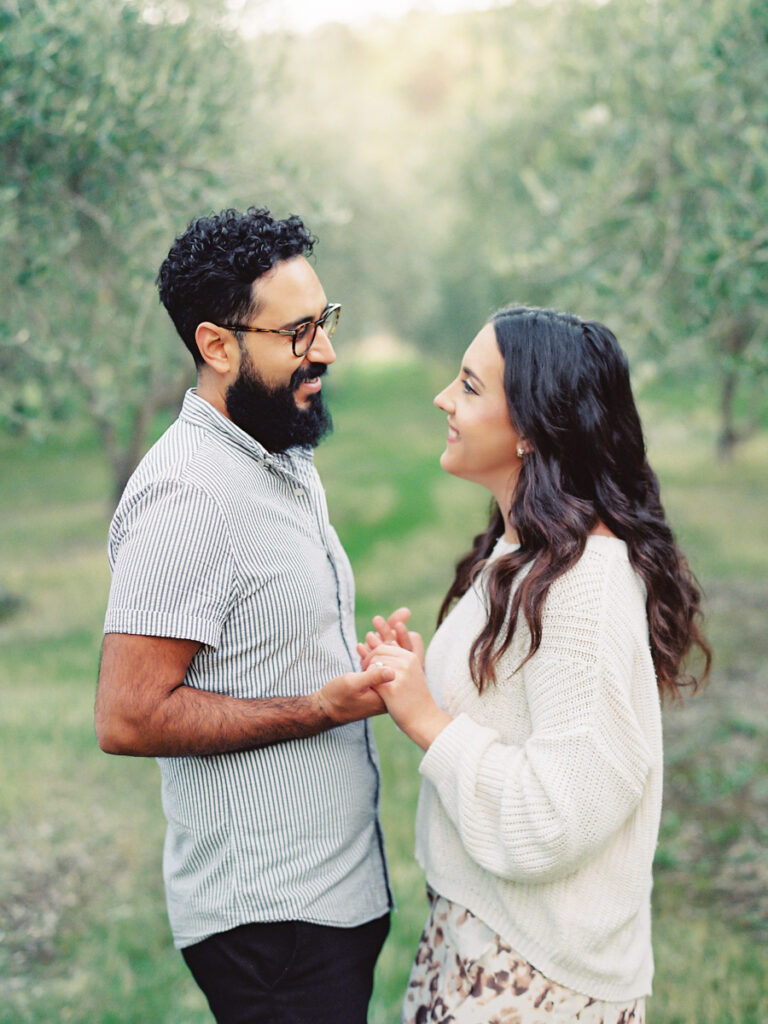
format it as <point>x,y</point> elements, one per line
<point>466,974</point>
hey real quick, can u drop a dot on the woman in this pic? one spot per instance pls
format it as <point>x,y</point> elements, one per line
<point>539,708</point>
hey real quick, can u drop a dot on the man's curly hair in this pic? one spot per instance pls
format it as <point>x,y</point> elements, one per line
<point>210,269</point>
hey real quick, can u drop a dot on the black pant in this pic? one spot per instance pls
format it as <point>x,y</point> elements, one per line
<point>288,972</point>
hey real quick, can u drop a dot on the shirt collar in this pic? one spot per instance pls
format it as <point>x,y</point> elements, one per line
<point>201,413</point>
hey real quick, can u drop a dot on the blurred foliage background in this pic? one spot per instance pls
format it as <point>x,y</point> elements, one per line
<point>601,156</point>
<point>604,156</point>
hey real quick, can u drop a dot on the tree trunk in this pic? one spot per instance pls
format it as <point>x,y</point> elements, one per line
<point>736,335</point>
<point>125,459</point>
<point>729,436</point>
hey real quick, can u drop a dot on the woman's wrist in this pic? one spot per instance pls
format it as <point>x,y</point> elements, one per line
<point>429,728</point>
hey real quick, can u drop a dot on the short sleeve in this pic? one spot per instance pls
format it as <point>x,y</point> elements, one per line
<point>172,566</point>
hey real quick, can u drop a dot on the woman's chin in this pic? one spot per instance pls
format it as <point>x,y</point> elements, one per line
<point>448,463</point>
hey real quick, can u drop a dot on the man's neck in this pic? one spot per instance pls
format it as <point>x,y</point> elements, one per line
<point>207,390</point>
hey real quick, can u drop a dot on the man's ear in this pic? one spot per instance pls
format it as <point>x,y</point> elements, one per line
<point>218,348</point>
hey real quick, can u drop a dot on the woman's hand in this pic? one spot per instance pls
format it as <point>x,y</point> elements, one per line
<point>407,697</point>
<point>394,631</point>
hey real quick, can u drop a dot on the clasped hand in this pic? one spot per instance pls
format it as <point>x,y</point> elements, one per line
<point>408,700</point>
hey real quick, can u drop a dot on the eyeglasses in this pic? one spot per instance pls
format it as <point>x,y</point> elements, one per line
<point>303,336</point>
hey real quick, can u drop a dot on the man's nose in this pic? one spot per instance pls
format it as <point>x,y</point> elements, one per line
<point>322,349</point>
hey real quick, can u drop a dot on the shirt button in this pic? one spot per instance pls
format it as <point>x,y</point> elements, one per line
<point>299,492</point>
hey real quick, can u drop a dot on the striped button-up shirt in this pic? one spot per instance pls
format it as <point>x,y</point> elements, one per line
<point>218,541</point>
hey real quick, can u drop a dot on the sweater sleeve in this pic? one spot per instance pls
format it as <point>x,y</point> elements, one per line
<point>536,811</point>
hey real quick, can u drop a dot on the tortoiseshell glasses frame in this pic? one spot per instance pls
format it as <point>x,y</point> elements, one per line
<point>303,336</point>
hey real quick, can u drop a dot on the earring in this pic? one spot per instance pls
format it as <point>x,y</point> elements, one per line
<point>521,452</point>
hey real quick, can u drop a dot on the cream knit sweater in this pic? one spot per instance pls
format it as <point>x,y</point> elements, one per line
<point>540,803</point>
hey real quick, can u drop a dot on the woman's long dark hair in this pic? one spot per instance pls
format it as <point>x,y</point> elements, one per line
<point>569,397</point>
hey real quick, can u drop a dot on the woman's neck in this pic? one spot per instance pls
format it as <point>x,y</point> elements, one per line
<point>601,530</point>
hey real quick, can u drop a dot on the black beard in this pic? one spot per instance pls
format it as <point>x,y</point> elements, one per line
<point>271,416</point>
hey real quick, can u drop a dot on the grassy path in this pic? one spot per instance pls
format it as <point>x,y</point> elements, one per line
<point>83,933</point>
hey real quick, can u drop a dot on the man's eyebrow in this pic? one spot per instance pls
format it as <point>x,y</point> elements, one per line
<point>303,320</point>
<point>471,373</point>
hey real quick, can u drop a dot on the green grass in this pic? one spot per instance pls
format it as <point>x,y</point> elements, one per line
<point>83,931</point>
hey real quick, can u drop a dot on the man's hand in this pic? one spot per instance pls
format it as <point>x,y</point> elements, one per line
<point>350,697</point>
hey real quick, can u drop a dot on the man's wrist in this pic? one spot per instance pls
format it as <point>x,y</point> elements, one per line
<point>321,710</point>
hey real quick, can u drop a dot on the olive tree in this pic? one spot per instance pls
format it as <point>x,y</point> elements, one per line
<point>119,121</point>
<point>628,176</point>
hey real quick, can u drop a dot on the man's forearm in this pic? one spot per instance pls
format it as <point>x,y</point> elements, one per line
<point>193,722</point>
<point>144,709</point>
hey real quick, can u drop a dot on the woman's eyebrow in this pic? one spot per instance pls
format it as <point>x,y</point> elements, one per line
<point>471,373</point>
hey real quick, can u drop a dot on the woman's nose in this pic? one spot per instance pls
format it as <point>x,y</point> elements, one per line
<point>442,400</point>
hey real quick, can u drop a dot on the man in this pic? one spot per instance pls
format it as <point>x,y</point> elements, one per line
<point>230,650</point>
